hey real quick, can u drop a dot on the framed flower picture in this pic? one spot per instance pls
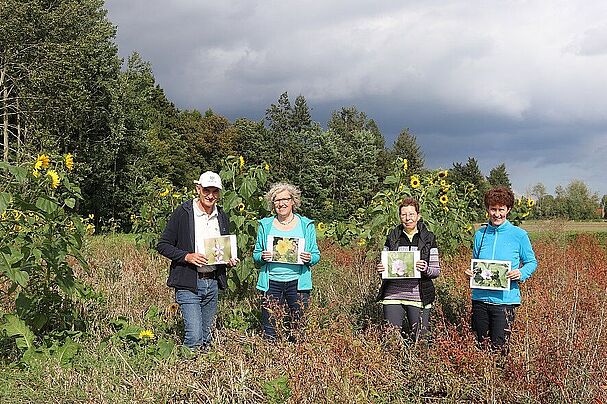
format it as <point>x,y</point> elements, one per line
<point>286,249</point>
<point>400,264</point>
<point>219,250</point>
<point>489,274</point>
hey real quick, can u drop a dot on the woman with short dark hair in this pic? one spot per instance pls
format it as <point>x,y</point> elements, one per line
<point>410,298</point>
<point>493,310</point>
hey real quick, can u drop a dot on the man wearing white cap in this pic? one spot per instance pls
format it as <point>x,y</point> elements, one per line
<point>196,284</point>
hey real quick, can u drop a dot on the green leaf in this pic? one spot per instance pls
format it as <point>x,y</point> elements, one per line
<point>390,179</point>
<point>165,348</point>
<point>20,173</point>
<point>248,187</point>
<point>46,205</point>
<point>5,201</point>
<point>65,353</point>
<point>15,327</point>
<point>70,203</point>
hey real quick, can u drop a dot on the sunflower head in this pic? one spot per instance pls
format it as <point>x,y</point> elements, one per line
<point>530,203</point>
<point>241,207</point>
<point>69,161</point>
<point>164,193</point>
<point>443,174</point>
<point>55,181</point>
<point>241,162</point>
<point>43,161</point>
<point>405,165</point>
<point>146,334</point>
<point>444,199</point>
<point>415,182</point>
<point>322,226</point>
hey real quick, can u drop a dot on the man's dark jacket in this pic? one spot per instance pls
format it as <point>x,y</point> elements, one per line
<point>427,240</point>
<point>177,240</point>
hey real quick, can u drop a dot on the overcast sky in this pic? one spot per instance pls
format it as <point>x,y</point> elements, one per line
<point>518,82</point>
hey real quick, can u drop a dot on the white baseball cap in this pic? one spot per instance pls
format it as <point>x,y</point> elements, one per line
<point>209,179</point>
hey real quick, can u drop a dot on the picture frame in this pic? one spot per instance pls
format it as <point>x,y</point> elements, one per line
<point>489,274</point>
<point>219,250</point>
<point>286,250</point>
<point>400,264</point>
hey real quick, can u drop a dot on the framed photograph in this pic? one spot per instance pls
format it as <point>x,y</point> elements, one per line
<point>400,264</point>
<point>489,274</point>
<point>286,249</point>
<point>219,250</point>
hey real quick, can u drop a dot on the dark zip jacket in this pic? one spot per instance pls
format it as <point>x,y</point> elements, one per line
<point>177,240</point>
<point>427,240</point>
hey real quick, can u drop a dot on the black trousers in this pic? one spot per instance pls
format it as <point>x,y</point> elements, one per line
<point>493,323</point>
<point>416,325</point>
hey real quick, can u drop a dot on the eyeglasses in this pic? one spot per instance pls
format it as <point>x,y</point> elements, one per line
<point>214,191</point>
<point>281,200</point>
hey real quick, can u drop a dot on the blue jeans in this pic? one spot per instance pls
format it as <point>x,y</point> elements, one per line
<point>281,293</point>
<point>198,310</point>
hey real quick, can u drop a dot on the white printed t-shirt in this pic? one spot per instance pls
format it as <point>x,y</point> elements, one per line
<point>205,226</point>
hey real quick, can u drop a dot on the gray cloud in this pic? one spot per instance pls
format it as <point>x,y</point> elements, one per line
<point>519,82</point>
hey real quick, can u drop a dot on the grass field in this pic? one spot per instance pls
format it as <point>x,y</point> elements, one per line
<point>564,225</point>
<point>344,353</point>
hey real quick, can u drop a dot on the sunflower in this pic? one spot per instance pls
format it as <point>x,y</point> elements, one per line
<point>241,207</point>
<point>164,193</point>
<point>443,183</point>
<point>69,161</point>
<point>361,242</point>
<point>241,162</point>
<point>415,183</point>
<point>405,165</point>
<point>322,226</point>
<point>42,162</point>
<point>266,167</point>
<point>443,199</point>
<point>36,173</point>
<point>283,246</point>
<point>530,203</point>
<point>443,174</point>
<point>146,334</point>
<point>55,181</point>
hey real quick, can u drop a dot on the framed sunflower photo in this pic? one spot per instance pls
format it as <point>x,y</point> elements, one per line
<point>489,274</point>
<point>400,264</point>
<point>286,249</point>
<point>219,250</point>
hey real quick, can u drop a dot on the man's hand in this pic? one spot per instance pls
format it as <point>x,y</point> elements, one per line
<point>196,259</point>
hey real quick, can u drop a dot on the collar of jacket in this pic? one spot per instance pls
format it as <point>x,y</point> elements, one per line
<point>499,229</point>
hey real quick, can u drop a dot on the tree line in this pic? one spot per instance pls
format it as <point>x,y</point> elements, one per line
<point>63,88</point>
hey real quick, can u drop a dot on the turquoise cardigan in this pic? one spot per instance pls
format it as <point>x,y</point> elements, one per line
<point>304,282</point>
<point>506,242</point>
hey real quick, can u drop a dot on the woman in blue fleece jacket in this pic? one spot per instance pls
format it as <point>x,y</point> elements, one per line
<point>283,283</point>
<point>493,310</point>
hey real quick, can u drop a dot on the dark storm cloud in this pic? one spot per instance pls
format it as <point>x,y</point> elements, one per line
<point>519,82</point>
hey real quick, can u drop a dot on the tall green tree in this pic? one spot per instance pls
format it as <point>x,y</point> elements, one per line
<point>498,177</point>
<point>58,67</point>
<point>577,202</point>
<point>539,191</point>
<point>406,147</point>
<point>471,173</point>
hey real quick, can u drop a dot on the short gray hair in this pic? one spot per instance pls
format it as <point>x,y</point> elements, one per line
<point>281,187</point>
